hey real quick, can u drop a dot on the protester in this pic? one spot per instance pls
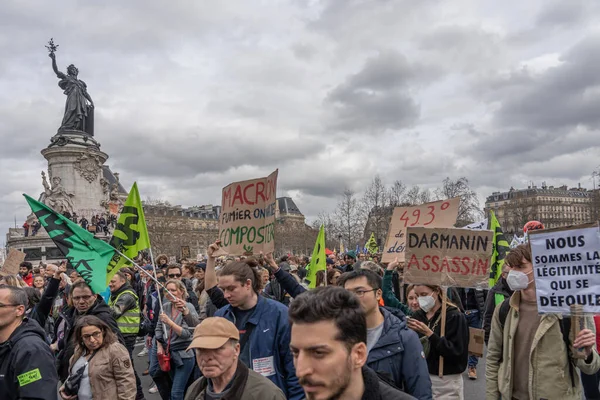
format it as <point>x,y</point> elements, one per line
<point>412,299</point>
<point>217,345</point>
<point>474,303</point>
<point>35,227</point>
<point>27,368</point>
<point>103,363</point>
<point>393,350</point>
<point>173,271</point>
<point>179,317</point>
<point>25,229</point>
<point>85,302</point>
<point>12,280</point>
<point>528,356</point>
<point>333,276</point>
<point>389,298</point>
<point>496,296</point>
<point>349,261</point>
<point>25,271</point>
<point>125,308</point>
<point>263,324</point>
<point>453,346</point>
<point>188,273</point>
<point>39,283</point>
<point>329,347</point>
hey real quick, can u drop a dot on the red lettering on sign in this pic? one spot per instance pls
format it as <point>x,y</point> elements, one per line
<point>237,196</point>
<point>226,197</point>
<point>260,191</point>
<point>246,199</point>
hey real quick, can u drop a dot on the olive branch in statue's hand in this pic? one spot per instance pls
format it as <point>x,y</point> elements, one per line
<point>52,48</point>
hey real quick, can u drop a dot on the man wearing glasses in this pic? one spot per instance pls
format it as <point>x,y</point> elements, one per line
<point>85,302</point>
<point>26,363</point>
<point>394,350</point>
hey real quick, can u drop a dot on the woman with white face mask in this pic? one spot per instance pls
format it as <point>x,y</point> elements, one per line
<point>453,345</point>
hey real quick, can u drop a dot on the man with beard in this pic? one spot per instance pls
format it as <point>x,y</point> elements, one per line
<point>25,271</point>
<point>329,346</point>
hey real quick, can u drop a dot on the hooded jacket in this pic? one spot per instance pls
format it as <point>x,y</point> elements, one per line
<point>269,344</point>
<point>27,368</point>
<point>399,354</point>
<point>66,347</point>
<point>549,376</point>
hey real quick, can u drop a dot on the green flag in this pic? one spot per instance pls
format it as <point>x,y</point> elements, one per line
<point>499,250</point>
<point>131,234</point>
<point>318,262</point>
<point>88,255</point>
<point>371,245</point>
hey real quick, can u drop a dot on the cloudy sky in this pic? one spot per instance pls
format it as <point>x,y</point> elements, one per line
<point>192,95</point>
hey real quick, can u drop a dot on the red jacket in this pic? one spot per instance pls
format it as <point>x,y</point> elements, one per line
<point>28,279</point>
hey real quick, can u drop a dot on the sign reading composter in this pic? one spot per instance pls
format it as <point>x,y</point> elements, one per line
<point>566,268</point>
<point>247,220</point>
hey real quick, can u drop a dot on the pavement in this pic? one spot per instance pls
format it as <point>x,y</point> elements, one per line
<point>473,389</point>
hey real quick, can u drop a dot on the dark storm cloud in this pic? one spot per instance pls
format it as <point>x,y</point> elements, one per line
<point>377,97</point>
<point>562,97</point>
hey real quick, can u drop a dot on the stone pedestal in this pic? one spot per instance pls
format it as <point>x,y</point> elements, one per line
<point>77,160</point>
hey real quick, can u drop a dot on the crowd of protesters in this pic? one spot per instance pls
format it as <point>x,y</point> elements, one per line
<point>250,328</point>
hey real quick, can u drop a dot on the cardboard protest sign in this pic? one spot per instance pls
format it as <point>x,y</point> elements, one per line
<point>566,268</point>
<point>448,257</point>
<point>12,262</point>
<point>439,214</point>
<point>247,220</point>
<point>185,252</point>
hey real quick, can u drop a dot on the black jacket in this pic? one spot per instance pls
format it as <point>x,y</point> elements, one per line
<point>376,389</point>
<point>453,346</point>
<point>501,287</point>
<point>472,300</point>
<point>125,303</point>
<point>27,368</point>
<point>67,346</point>
<point>42,310</point>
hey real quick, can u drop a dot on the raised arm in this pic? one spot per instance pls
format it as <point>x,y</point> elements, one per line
<point>59,74</point>
<point>210,275</point>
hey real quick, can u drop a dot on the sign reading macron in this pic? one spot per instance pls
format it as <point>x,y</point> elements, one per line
<point>566,268</point>
<point>247,221</point>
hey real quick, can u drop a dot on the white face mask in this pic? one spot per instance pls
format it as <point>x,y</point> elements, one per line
<point>426,302</point>
<point>518,280</point>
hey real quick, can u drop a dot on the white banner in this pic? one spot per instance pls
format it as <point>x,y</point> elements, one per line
<point>566,269</point>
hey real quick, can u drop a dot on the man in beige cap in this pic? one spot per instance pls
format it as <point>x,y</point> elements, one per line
<point>217,345</point>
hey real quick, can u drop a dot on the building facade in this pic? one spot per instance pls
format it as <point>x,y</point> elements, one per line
<point>553,206</point>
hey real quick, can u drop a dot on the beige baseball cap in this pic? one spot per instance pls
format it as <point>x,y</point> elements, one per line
<point>213,333</point>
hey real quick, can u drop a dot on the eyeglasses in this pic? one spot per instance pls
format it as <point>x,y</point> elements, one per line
<point>77,299</point>
<point>174,275</point>
<point>8,305</point>
<point>361,292</point>
<point>96,335</point>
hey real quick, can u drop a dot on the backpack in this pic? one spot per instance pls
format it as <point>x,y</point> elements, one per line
<point>565,328</point>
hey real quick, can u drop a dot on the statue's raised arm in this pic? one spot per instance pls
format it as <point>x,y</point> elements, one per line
<point>60,75</point>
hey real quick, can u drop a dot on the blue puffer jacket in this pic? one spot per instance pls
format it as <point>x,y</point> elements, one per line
<point>398,354</point>
<point>270,345</point>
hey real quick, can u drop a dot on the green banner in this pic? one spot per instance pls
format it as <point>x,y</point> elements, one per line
<point>131,234</point>
<point>318,262</point>
<point>88,255</point>
<point>499,250</point>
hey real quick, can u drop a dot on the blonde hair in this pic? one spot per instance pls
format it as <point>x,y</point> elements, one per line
<point>180,286</point>
<point>12,280</point>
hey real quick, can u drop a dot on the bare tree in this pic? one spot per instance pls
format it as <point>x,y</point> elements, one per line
<point>348,217</point>
<point>397,194</point>
<point>468,209</point>
<point>416,196</point>
<point>375,209</point>
<point>332,229</point>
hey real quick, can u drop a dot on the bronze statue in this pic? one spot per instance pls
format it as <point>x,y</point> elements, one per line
<point>79,115</point>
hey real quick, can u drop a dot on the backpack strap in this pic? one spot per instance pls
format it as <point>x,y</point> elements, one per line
<point>565,329</point>
<point>503,313</point>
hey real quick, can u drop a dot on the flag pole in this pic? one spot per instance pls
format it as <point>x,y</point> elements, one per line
<point>156,280</point>
<point>146,272</point>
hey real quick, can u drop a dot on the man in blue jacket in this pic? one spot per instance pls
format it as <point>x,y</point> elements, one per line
<point>262,323</point>
<point>395,351</point>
